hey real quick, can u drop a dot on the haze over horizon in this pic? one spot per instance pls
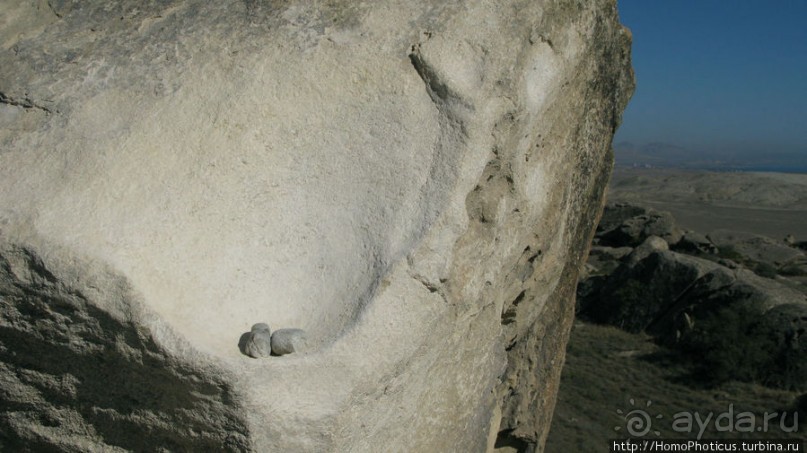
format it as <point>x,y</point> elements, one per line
<point>717,82</point>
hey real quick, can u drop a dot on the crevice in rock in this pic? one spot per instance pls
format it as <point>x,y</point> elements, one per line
<point>437,88</point>
<point>430,286</point>
<point>509,316</point>
<point>506,439</point>
<point>54,9</point>
<point>25,103</point>
<point>496,183</point>
<point>434,288</point>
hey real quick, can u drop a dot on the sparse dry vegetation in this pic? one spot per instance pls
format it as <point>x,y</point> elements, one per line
<point>606,368</point>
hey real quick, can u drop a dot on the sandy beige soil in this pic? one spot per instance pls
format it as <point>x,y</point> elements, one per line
<point>771,204</point>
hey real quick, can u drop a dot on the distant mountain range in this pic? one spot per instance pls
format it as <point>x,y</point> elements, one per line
<point>666,155</point>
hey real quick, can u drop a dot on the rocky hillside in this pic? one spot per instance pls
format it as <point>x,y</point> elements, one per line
<point>672,321</point>
<point>736,303</point>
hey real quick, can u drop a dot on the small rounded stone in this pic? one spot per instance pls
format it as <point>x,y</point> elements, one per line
<point>259,341</point>
<point>286,341</point>
<point>261,326</point>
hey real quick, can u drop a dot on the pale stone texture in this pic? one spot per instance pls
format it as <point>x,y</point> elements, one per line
<point>413,183</point>
<point>287,341</point>
<point>258,341</point>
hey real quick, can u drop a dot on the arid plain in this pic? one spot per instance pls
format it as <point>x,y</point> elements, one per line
<point>770,204</point>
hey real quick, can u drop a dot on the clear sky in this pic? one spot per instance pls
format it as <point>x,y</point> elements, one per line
<point>716,74</point>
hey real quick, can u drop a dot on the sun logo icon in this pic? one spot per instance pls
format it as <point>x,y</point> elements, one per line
<point>638,422</point>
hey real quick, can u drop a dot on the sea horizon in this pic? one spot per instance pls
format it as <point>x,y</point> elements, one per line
<point>790,169</point>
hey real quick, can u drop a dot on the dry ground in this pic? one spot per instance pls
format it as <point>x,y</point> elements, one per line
<point>771,204</point>
<point>607,368</point>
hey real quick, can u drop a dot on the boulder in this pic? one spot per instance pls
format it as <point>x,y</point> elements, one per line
<point>653,244</point>
<point>288,341</point>
<point>736,325</point>
<point>615,214</point>
<point>666,293</point>
<point>789,322</point>
<point>695,243</point>
<point>258,341</point>
<point>717,289</point>
<point>755,248</point>
<point>644,287</point>
<point>794,268</point>
<point>604,260</point>
<point>605,253</point>
<point>413,183</point>
<point>634,230</point>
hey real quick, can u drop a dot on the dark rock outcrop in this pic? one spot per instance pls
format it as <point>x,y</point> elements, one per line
<point>695,243</point>
<point>756,248</point>
<point>628,225</point>
<point>703,306</point>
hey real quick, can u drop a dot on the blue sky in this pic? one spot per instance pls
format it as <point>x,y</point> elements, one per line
<point>718,74</point>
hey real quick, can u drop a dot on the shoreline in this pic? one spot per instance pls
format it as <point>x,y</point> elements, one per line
<point>754,169</point>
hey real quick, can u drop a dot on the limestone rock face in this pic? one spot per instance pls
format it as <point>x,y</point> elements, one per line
<point>413,183</point>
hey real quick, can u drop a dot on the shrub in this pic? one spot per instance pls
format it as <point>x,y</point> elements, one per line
<point>730,253</point>
<point>627,307</point>
<point>793,270</point>
<point>732,343</point>
<point>766,270</point>
<point>738,342</point>
<point>791,370</point>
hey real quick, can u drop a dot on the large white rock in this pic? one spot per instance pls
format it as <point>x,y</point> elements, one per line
<point>413,183</point>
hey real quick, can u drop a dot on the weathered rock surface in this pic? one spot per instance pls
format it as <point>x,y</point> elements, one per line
<point>652,287</point>
<point>287,341</point>
<point>413,183</point>
<point>604,259</point>
<point>258,342</point>
<point>644,287</point>
<point>695,243</point>
<point>628,225</point>
<point>756,248</point>
<point>615,214</point>
<point>652,244</point>
<point>732,322</point>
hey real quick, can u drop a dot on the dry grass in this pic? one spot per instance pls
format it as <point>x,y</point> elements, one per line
<point>606,368</point>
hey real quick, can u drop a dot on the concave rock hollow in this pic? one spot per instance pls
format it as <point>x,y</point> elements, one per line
<point>414,183</point>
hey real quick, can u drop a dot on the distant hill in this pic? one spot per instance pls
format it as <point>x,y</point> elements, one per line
<point>666,155</point>
<point>772,204</point>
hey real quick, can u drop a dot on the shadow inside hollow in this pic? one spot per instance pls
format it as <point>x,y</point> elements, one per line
<point>242,343</point>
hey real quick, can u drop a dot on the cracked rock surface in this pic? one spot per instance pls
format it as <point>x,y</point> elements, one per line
<point>413,183</point>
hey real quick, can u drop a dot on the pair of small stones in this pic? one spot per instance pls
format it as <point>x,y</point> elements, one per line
<point>262,342</point>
